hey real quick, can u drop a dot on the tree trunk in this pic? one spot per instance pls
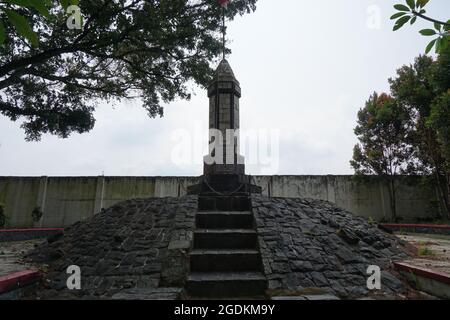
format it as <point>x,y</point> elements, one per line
<point>392,199</point>
<point>443,188</point>
<point>440,172</point>
<point>447,194</point>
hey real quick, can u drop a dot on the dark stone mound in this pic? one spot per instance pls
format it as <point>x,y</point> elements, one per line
<point>121,248</point>
<point>139,246</point>
<point>313,244</point>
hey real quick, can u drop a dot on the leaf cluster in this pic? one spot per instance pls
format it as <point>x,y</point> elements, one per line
<point>413,9</point>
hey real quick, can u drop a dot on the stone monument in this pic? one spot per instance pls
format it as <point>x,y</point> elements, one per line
<point>224,168</point>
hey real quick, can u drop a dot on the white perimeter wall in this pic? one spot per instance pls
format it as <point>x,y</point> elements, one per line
<point>66,200</point>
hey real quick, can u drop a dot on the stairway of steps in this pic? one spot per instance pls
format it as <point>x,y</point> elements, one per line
<point>225,261</point>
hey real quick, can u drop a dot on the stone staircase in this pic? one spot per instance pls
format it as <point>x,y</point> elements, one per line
<point>225,261</point>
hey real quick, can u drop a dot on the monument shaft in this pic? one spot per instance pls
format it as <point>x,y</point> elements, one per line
<point>224,93</point>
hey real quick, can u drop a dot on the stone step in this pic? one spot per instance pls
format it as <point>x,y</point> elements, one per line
<point>149,294</point>
<point>226,284</point>
<point>224,220</point>
<point>225,260</point>
<point>225,239</point>
<point>224,203</point>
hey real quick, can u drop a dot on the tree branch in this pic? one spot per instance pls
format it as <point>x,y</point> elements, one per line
<point>430,19</point>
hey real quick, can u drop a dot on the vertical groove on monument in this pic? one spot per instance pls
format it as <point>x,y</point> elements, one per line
<point>225,260</point>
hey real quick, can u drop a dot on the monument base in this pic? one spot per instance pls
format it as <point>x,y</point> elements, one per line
<point>224,185</point>
<point>224,169</point>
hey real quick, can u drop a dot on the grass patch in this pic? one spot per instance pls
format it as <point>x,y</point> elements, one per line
<point>426,252</point>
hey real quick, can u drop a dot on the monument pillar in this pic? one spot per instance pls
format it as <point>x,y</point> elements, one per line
<point>224,93</point>
<point>224,168</point>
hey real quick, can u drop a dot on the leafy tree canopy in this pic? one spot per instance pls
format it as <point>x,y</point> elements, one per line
<point>382,131</point>
<point>408,131</point>
<point>422,88</point>
<point>147,49</point>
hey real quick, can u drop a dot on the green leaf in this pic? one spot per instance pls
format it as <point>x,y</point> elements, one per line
<point>401,22</point>
<point>401,7</point>
<point>411,3</point>
<point>422,3</point>
<point>21,3</point>
<point>398,15</point>
<point>430,46</point>
<point>438,45</point>
<point>65,3</point>
<point>2,33</point>
<point>41,7</point>
<point>447,26</point>
<point>413,20</point>
<point>437,26</point>
<point>427,32</point>
<point>22,27</point>
<point>445,42</point>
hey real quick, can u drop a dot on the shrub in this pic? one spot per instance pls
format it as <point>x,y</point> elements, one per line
<point>37,214</point>
<point>2,215</point>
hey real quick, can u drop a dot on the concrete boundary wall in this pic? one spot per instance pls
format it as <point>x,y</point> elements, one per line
<point>66,200</point>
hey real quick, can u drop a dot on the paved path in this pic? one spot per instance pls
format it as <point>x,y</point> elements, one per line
<point>434,251</point>
<point>11,254</point>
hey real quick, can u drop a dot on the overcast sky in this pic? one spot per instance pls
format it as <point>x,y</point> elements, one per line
<point>305,67</point>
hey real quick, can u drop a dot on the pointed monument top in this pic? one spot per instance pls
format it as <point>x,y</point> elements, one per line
<point>224,69</point>
<point>224,72</point>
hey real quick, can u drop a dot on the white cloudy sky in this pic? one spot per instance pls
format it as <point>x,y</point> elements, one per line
<point>305,68</point>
